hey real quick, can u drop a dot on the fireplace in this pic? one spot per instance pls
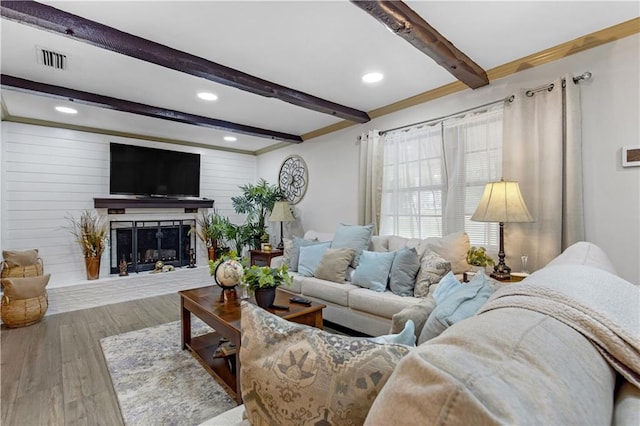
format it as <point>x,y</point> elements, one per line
<point>143,243</point>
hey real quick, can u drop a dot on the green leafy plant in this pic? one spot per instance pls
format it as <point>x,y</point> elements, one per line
<point>256,277</point>
<point>256,201</point>
<point>477,256</point>
<point>210,228</point>
<point>90,231</point>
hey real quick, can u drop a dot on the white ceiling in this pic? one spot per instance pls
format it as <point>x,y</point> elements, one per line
<point>318,47</point>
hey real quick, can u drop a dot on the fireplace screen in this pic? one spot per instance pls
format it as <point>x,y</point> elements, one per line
<point>142,243</point>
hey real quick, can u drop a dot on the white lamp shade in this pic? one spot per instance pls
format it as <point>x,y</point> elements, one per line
<point>502,202</point>
<point>281,212</point>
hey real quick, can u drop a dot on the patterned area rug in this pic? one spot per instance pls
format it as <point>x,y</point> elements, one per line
<point>157,383</point>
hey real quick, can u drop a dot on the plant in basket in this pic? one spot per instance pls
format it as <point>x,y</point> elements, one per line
<point>90,231</point>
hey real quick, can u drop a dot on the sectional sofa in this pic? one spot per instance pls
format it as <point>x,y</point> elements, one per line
<point>365,310</point>
<point>560,347</point>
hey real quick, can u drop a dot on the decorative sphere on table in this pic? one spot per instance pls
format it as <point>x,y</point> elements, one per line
<point>228,274</point>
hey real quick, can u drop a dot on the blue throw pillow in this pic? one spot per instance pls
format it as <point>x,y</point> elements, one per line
<point>406,337</point>
<point>458,305</point>
<point>373,270</point>
<point>355,237</point>
<point>405,266</point>
<point>310,258</point>
<point>447,285</point>
<point>295,254</point>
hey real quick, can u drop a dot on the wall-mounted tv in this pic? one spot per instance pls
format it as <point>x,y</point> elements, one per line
<point>137,170</point>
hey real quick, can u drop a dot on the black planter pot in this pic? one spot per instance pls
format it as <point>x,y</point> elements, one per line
<point>265,297</point>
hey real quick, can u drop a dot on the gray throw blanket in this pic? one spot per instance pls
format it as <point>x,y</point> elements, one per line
<point>601,306</point>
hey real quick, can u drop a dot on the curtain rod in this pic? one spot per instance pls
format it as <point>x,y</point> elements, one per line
<point>584,76</point>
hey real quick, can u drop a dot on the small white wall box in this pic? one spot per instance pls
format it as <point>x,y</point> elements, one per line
<point>630,156</point>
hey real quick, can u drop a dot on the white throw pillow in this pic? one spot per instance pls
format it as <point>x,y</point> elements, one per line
<point>452,247</point>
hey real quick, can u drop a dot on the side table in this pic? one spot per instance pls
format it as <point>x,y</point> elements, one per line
<point>263,258</point>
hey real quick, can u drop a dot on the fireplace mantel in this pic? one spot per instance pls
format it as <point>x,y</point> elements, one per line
<point>124,201</point>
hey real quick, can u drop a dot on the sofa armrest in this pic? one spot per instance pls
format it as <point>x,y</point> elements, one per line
<point>276,262</point>
<point>418,313</point>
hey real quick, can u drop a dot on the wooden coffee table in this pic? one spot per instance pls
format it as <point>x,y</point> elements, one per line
<point>224,318</point>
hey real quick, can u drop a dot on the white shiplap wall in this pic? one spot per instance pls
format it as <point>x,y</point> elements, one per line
<point>49,174</point>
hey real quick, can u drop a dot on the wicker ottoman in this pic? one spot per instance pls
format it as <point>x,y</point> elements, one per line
<point>24,301</point>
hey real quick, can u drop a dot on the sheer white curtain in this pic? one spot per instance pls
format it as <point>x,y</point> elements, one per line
<point>543,152</point>
<point>370,179</point>
<point>413,183</point>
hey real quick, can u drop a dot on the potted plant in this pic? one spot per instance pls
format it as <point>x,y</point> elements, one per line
<point>257,202</point>
<point>210,230</point>
<point>90,231</point>
<point>478,257</point>
<point>263,281</point>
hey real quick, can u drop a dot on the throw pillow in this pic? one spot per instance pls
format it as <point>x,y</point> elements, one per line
<point>294,374</point>
<point>334,264</point>
<point>452,247</point>
<point>310,257</point>
<point>295,254</point>
<point>417,313</point>
<point>406,337</point>
<point>402,277</point>
<point>25,288</point>
<point>20,258</point>
<point>353,236</point>
<point>460,304</point>
<point>447,285</point>
<point>373,270</point>
<point>432,268</point>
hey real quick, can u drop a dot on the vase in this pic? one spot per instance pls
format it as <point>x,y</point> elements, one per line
<point>93,267</point>
<point>211,251</point>
<point>265,297</point>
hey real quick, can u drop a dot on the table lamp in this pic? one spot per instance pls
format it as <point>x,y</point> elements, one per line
<point>502,202</point>
<point>281,213</point>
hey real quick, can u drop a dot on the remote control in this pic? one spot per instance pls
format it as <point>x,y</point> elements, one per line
<point>300,300</point>
<point>284,308</point>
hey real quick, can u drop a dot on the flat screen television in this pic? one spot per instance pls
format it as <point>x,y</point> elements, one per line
<point>137,170</point>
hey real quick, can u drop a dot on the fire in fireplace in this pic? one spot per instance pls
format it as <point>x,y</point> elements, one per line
<point>142,243</point>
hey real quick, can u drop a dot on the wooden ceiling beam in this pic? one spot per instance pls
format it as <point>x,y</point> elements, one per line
<point>404,22</point>
<point>86,98</point>
<point>78,28</point>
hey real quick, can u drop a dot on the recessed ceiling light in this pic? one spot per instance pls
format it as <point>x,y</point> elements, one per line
<point>230,138</point>
<point>66,110</point>
<point>372,77</point>
<point>207,96</point>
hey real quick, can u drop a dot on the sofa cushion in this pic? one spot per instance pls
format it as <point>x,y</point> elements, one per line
<point>25,288</point>
<point>417,313</point>
<point>20,257</point>
<point>295,254</point>
<point>327,290</point>
<point>381,304</point>
<point>373,270</point>
<point>508,366</point>
<point>296,283</point>
<point>334,264</point>
<point>460,304</point>
<point>294,374</point>
<point>310,257</point>
<point>453,247</point>
<point>432,268</point>
<point>287,252</point>
<point>356,237</point>
<point>447,285</point>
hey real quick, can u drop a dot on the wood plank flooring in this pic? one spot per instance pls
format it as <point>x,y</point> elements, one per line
<point>54,373</point>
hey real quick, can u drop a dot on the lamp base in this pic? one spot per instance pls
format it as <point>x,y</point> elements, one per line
<point>501,272</point>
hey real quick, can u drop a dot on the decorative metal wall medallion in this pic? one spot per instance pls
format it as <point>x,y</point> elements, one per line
<point>293,178</point>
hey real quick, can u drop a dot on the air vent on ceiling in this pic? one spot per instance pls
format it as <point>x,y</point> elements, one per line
<point>52,59</point>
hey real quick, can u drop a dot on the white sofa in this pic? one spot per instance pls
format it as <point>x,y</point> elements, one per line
<point>568,360</point>
<point>361,309</point>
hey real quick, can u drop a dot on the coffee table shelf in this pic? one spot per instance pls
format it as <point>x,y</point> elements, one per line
<point>202,348</point>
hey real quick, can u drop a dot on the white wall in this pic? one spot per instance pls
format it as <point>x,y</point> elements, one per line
<point>49,174</point>
<point>611,114</point>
